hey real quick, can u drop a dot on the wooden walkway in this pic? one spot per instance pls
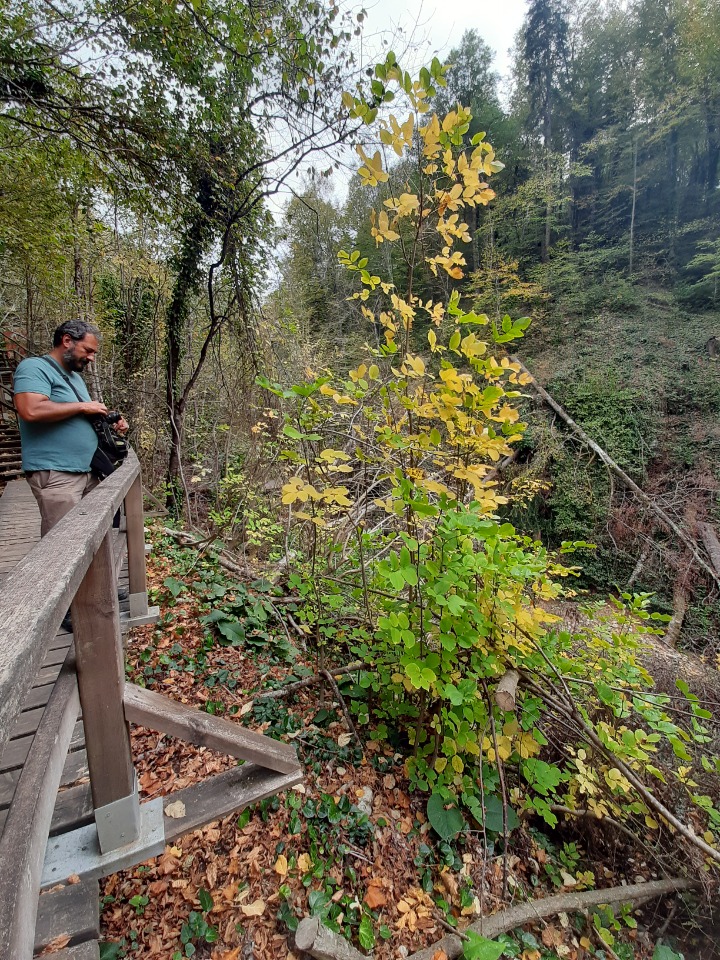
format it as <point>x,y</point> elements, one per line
<point>70,810</point>
<point>19,533</point>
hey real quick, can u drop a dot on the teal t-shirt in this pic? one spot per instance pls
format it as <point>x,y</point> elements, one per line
<point>66,445</point>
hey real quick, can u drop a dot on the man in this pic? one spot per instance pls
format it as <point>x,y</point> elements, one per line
<point>58,441</point>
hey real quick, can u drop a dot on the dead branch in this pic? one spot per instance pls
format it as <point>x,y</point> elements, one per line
<point>343,706</point>
<point>663,518</point>
<point>190,540</point>
<point>516,916</point>
<point>305,682</point>
<point>638,568</point>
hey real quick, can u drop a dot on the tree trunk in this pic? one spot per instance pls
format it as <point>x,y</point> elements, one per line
<point>634,203</point>
<point>680,604</point>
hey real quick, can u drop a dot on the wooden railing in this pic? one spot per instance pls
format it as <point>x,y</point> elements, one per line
<point>75,565</point>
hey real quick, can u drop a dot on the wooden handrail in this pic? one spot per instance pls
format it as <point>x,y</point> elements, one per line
<point>75,563</point>
<point>38,592</point>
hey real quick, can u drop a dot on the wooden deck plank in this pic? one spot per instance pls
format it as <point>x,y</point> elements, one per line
<point>73,809</point>
<point>16,751</point>
<point>72,911</point>
<point>76,768</point>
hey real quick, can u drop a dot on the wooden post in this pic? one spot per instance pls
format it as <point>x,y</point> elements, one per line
<point>136,550</point>
<point>101,682</point>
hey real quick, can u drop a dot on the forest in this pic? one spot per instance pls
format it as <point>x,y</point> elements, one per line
<point>423,371</point>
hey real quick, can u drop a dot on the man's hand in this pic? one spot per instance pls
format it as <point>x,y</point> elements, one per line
<point>121,427</point>
<point>93,409</point>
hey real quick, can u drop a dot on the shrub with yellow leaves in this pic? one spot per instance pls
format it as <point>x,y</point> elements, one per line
<point>399,521</point>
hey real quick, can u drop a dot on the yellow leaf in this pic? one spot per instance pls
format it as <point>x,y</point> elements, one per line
<point>281,865</point>
<point>254,909</point>
<point>304,863</point>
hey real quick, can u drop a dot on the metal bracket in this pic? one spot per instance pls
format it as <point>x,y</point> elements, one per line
<point>151,616</point>
<point>78,852</point>
<point>138,604</point>
<point>118,823</point>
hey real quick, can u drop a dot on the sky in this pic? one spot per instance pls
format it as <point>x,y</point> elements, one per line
<point>417,32</point>
<point>437,27</point>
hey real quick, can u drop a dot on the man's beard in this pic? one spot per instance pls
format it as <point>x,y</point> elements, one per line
<point>76,364</point>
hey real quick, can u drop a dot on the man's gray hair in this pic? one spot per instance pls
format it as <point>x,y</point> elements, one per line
<point>77,329</point>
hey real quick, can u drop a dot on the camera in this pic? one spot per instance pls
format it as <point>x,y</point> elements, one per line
<point>113,417</point>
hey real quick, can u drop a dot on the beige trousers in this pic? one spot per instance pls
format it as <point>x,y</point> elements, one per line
<point>57,493</point>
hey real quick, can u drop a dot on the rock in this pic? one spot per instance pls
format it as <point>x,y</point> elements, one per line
<point>364,801</point>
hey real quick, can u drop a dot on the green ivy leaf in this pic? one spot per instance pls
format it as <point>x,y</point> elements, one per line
<point>478,948</point>
<point>366,936</point>
<point>447,823</point>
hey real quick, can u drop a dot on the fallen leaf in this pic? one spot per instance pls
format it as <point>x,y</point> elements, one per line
<point>344,739</point>
<point>551,936</point>
<point>281,865</point>
<point>389,781</point>
<point>254,909</point>
<point>439,955</point>
<point>304,863</point>
<point>57,944</point>
<point>175,810</point>
<point>374,897</point>
<point>448,881</point>
<point>73,879</point>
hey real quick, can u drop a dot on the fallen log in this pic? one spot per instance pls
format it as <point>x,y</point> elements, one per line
<point>667,522</point>
<point>712,544</point>
<point>316,939</point>
<point>490,927</point>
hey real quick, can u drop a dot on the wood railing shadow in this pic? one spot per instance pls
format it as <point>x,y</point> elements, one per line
<point>75,565</point>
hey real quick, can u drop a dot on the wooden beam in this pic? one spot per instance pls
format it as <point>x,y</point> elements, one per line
<point>101,679</point>
<point>137,578</point>
<point>153,710</point>
<point>22,847</point>
<point>223,794</point>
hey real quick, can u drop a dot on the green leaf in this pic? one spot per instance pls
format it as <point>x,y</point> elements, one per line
<point>366,936</point>
<point>478,948</point>
<point>447,824</point>
<point>206,900</point>
<point>110,951</point>
<point>175,587</point>
<point>291,432</point>
<point>663,952</point>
